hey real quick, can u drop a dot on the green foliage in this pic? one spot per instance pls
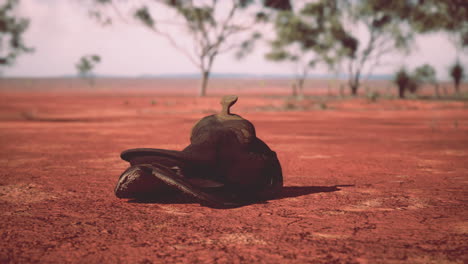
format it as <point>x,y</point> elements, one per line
<point>211,34</point>
<point>210,28</point>
<point>245,3</point>
<point>12,29</point>
<point>95,58</point>
<point>425,74</point>
<point>429,15</point>
<point>333,41</point>
<point>445,15</point>
<point>373,96</point>
<point>246,47</point>
<point>86,65</point>
<point>387,33</point>
<point>311,35</point>
<point>143,15</point>
<point>278,55</point>
<point>317,28</point>
<point>382,22</point>
<point>197,18</point>
<point>322,27</point>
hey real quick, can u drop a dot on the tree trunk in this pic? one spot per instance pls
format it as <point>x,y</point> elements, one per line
<point>437,92</point>
<point>457,86</point>
<point>445,90</point>
<point>401,92</point>
<point>91,81</point>
<point>294,90</point>
<point>300,87</point>
<point>204,84</point>
<point>354,88</point>
<point>354,83</point>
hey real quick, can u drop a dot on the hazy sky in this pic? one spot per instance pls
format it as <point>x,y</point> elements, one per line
<point>61,32</point>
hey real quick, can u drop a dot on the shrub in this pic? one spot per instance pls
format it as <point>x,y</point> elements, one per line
<point>402,80</point>
<point>457,73</point>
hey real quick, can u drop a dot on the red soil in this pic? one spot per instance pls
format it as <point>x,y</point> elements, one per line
<point>364,182</point>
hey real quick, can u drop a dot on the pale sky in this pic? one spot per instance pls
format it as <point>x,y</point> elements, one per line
<point>61,32</point>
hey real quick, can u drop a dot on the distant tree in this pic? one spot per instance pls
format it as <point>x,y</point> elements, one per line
<point>402,80</point>
<point>214,30</point>
<point>308,35</point>
<point>12,29</point>
<point>85,67</point>
<point>333,31</point>
<point>389,26</point>
<point>411,82</point>
<point>457,74</point>
<point>405,82</point>
<point>427,74</point>
<point>427,16</point>
<point>287,48</point>
<point>386,34</point>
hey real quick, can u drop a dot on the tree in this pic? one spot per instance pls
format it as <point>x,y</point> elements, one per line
<point>427,16</point>
<point>402,79</point>
<point>212,28</point>
<point>85,67</point>
<point>427,74</point>
<point>405,82</point>
<point>386,34</point>
<point>307,36</point>
<point>434,15</point>
<point>287,48</point>
<point>457,74</point>
<point>340,22</point>
<point>12,29</point>
<point>412,81</point>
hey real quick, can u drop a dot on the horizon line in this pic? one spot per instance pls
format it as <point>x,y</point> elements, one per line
<point>215,75</point>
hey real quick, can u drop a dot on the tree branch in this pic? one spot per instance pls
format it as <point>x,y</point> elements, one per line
<point>176,46</point>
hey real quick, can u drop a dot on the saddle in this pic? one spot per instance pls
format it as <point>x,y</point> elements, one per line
<point>225,165</point>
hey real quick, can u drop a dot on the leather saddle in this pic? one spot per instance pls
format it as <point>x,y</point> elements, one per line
<point>225,165</point>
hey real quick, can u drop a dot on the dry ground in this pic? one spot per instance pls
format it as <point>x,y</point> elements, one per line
<point>365,182</point>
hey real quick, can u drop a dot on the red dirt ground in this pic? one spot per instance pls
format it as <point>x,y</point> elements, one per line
<point>364,182</point>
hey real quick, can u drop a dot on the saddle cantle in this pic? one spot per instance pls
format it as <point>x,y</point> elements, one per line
<point>224,165</point>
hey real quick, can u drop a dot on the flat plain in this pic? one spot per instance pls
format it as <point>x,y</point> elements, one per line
<point>366,180</point>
